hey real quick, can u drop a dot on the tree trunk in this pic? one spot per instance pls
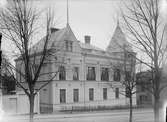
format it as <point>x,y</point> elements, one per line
<point>131,108</point>
<point>157,96</point>
<point>156,109</point>
<point>31,101</point>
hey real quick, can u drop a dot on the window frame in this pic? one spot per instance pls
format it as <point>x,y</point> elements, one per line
<point>91,94</point>
<point>88,75</point>
<point>68,45</point>
<point>127,75</point>
<point>74,71</point>
<point>103,78</point>
<point>117,74</point>
<point>117,93</point>
<point>105,97</point>
<point>62,96</point>
<point>75,98</point>
<point>62,74</point>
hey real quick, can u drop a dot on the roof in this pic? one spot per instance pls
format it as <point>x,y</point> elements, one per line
<point>118,41</point>
<point>89,47</point>
<point>55,38</point>
<point>60,35</point>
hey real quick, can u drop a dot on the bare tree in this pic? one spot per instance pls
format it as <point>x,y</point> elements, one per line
<point>129,78</point>
<point>18,24</point>
<point>127,69</point>
<point>143,21</point>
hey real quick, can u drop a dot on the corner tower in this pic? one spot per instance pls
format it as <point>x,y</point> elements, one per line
<point>118,42</point>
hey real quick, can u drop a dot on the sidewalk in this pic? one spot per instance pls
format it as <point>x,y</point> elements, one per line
<point>79,114</point>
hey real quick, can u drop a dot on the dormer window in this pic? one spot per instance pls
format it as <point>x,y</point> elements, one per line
<point>68,45</point>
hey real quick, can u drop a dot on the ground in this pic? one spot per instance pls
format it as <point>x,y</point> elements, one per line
<point>140,115</point>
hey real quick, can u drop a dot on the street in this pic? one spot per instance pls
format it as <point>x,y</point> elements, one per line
<point>140,115</point>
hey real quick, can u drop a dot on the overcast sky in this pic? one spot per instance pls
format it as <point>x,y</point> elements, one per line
<point>96,18</point>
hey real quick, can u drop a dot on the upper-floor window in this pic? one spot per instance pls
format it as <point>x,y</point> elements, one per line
<point>104,74</point>
<point>62,73</point>
<point>127,76</point>
<point>117,75</point>
<point>76,73</point>
<point>68,45</point>
<point>91,74</point>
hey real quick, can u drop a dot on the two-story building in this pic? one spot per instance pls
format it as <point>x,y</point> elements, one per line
<point>87,76</point>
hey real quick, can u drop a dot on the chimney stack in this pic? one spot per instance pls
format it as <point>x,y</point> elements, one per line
<point>52,29</point>
<point>87,39</point>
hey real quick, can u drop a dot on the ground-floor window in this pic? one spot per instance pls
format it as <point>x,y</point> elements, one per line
<point>116,93</point>
<point>127,92</point>
<point>62,95</point>
<point>91,94</point>
<point>104,93</point>
<point>75,95</point>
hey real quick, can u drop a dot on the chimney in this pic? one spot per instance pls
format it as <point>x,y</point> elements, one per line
<point>87,39</point>
<point>52,29</point>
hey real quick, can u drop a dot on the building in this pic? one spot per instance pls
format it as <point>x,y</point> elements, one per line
<point>144,96</point>
<point>87,76</point>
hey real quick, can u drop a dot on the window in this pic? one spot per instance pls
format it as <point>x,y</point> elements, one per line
<point>62,95</point>
<point>104,74</point>
<point>62,73</point>
<point>68,45</point>
<point>117,93</point>
<point>127,76</point>
<point>91,94</point>
<point>127,92</point>
<point>91,75</point>
<point>143,98</point>
<point>76,73</point>
<point>143,87</point>
<point>117,75</point>
<point>104,93</point>
<point>76,95</point>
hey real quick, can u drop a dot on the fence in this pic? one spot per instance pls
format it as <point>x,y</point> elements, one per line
<point>18,104</point>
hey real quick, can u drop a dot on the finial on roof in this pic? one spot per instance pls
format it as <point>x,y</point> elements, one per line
<point>67,13</point>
